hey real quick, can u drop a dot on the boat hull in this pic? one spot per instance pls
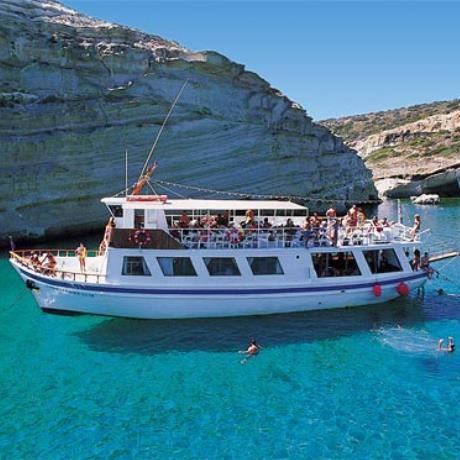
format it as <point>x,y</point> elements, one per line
<point>59,296</point>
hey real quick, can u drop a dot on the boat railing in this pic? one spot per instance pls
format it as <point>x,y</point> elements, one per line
<point>287,237</point>
<point>23,257</point>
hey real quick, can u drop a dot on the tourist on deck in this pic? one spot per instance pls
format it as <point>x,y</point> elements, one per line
<point>425,265</point>
<point>361,217</point>
<point>416,227</point>
<point>221,221</point>
<point>50,263</point>
<point>81,253</point>
<point>331,213</point>
<point>415,262</point>
<point>266,224</point>
<point>353,216</point>
<point>35,261</point>
<point>184,220</point>
<point>248,218</point>
<point>377,225</point>
<point>107,234</point>
<point>333,231</point>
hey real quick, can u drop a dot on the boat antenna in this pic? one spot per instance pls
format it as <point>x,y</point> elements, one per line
<point>155,142</point>
<point>126,172</point>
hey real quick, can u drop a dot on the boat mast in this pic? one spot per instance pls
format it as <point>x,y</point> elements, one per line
<point>126,172</point>
<point>147,171</point>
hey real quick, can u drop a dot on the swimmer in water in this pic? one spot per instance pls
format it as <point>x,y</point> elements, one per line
<point>252,350</point>
<point>450,345</point>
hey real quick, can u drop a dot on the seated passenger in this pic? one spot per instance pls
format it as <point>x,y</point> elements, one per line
<point>184,220</point>
<point>35,261</point>
<point>266,223</point>
<point>50,263</point>
<point>221,221</point>
<point>248,218</point>
<point>425,265</point>
<point>377,227</point>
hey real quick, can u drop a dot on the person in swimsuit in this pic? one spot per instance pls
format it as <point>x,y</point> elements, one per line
<point>80,252</point>
<point>416,228</point>
<point>50,264</point>
<point>450,345</point>
<point>251,351</point>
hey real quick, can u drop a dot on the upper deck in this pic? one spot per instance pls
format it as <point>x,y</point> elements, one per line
<point>236,224</point>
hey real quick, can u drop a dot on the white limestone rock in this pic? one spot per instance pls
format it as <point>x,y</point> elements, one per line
<point>426,199</point>
<point>75,92</point>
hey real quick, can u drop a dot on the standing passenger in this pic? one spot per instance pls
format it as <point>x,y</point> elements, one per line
<point>80,252</point>
<point>416,228</point>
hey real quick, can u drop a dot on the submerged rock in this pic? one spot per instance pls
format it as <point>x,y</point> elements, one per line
<point>75,92</point>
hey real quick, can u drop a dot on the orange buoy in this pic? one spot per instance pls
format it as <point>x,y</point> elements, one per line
<point>377,290</point>
<point>403,289</point>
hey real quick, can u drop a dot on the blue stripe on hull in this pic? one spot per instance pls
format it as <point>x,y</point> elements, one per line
<point>233,291</point>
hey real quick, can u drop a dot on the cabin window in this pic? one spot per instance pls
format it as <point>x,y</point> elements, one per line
<point>328,264</point>
<point>222,266</point>
<point>265,266</point>
<point>382,261</point>
<point>135,266</point>
<point>300,212</point>
<point>176,266</point>
<point>116,210</point>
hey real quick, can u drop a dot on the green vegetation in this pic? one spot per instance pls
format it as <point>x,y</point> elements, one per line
<point>443,150</point>
<point>360,126</point>
<point>381,154</point>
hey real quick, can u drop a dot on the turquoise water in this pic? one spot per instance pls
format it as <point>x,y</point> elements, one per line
<point>358,383</point>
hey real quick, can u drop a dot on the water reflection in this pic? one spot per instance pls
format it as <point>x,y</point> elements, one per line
<point>230,334</point>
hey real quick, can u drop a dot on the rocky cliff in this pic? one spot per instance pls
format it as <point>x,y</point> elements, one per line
<point>411,150</point>
<point>75,92</point>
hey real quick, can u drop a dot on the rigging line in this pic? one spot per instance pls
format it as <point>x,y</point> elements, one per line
<point>447,263</point>
<point>162,127</point>
<point>289,197</point>
<point>170,190</point>
<point>151,188</point>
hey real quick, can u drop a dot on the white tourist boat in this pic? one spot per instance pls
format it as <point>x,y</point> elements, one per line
<point>189,258</point>
<point>153,263</point>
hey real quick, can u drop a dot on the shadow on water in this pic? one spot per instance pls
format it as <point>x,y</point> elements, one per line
<point>230,334</point>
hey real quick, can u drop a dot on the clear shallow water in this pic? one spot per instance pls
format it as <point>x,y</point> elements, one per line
<point>356,383</point>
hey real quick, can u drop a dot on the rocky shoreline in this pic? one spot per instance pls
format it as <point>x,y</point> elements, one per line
<point>411,150</point>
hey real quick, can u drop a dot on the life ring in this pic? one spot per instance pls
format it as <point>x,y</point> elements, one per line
<point>234,236</point>
<point>141,238</point>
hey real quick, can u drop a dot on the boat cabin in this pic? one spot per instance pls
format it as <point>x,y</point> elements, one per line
<point>161,213</point>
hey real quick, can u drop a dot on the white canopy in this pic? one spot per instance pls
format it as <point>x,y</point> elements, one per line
<point>195,204</point>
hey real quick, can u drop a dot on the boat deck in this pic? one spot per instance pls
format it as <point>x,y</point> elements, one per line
<point>67,267</point>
